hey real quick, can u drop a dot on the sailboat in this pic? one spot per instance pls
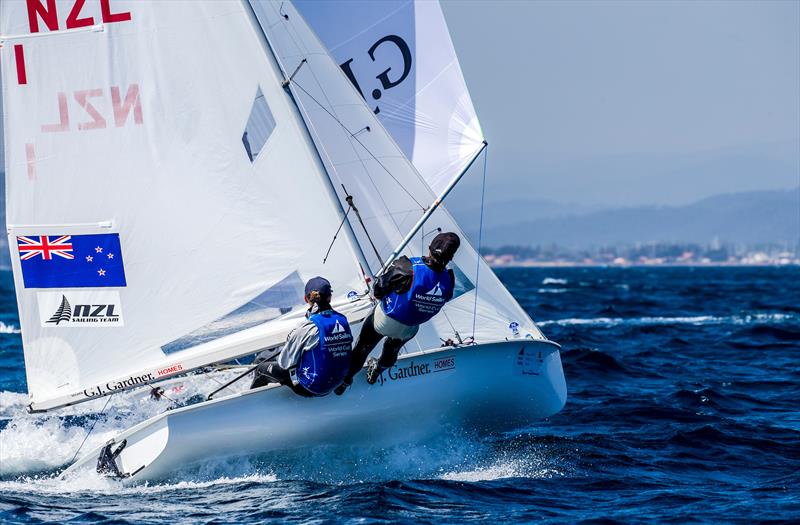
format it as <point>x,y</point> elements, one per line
<point>176,170</point>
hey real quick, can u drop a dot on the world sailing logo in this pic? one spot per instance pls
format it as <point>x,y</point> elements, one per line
<point>337,329</point>
<point>436,290</point>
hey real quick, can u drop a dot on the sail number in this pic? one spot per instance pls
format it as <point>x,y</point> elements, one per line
<point>87,111</point>
<point>386,81</point>
<point>46,11</point>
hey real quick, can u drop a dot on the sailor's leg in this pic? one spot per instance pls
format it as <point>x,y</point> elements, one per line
<point>269,372</point>
<point>367,340</point>
<point>388,357</point>
<point>391,347</point>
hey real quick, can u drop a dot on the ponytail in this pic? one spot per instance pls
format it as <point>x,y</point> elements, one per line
<point>314,297</point>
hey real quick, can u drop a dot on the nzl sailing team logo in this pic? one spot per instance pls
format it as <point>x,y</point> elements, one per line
<point>71,261</point>
<point>83,309</point>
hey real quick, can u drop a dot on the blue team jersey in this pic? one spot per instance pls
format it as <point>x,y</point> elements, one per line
<point>429,291</point>
<point>324,367</point>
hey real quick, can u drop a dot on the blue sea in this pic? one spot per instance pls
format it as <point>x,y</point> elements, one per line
<point>684,407</point>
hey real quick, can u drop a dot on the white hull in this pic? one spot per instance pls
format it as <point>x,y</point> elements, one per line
<point>485,388</point>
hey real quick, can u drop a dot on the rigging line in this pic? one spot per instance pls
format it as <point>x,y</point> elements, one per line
<point>480,240</point>
<point>355,150</point>
<point>350,138</point>
<point>304,51</point>
<point>359,155</point>
<point>217,381</point>
<point>349,200</point>
<point>330,247</point>
<point>447,317</point>
<point>91,429</point>
<point>360,143</point>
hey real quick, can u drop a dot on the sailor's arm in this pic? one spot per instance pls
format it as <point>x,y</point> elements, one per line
<point>396,278</point>
<point>302,338</point>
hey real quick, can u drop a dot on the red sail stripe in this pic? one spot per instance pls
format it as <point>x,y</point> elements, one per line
<point>22,77</point>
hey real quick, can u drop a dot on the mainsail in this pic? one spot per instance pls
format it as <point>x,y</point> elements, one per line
<point>161,183</point>
<point>399,55</point>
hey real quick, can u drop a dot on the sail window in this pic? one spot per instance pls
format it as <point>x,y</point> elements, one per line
<point>463,284</point>
<point>259,127</point>
<point>275,301</point>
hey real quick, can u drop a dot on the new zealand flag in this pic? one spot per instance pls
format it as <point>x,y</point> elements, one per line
<point>71,261</point>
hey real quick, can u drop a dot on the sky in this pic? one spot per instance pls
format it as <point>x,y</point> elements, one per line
<point>623,103</point>
<point>627,103</point>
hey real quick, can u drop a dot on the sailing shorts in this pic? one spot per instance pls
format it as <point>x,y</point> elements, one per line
<point>393,328</point>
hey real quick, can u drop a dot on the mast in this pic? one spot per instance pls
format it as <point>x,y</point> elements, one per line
<point>362,260</point>
<point>432,208</point>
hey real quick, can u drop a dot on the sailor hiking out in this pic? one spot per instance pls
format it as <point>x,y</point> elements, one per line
<point>410,293</point>
<point>316,356</point>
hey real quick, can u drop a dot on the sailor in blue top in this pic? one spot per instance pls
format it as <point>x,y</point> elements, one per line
<point>411,292</point>
<point>316,356</point>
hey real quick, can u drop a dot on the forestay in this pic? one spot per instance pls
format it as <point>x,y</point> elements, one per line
<point>392,196</point>
<point>161,192</point>
<point>399,55</point>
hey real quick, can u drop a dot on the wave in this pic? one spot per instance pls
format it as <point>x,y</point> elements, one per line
<point>551,290</point>
<point>9,328</point>
<point>762,318</point>
<point>553,280</point>
<point>591,359</point>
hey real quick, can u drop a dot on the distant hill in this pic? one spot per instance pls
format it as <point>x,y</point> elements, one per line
<point>750,218</point>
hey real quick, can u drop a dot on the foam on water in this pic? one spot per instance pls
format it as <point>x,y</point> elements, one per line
<point>91,482</point>
<point>8,328</point>
<point>36,443</point>
<point>553,280</point>
<point>531,465</point>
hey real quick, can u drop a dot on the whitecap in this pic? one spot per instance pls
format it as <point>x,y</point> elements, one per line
<point>9,328</point>
<point>35,443</point>
<point>551,290</point>
<point>553,280</point>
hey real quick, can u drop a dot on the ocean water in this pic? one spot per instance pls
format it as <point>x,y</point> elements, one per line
<point>684,407</point>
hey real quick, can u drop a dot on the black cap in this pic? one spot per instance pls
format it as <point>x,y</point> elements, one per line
<point>319,284</point>
<point>444,246</point>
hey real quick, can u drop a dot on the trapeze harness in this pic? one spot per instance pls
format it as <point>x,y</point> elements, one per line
<point>429,291</point>
<point>324,367</point>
